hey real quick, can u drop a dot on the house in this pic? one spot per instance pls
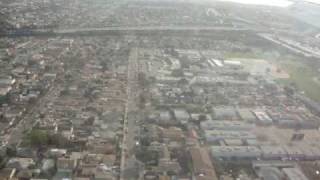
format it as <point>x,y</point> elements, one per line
<point>63,174</point>
<point>214,136</point>
<point>48,166</point>
<point>109,160</point>
<point>64,163</point>
<point>236,152</point>
<point>20,163</point>
<point>4,90</point>
<point>273,152</point>
<point>262,117</point>
<point>181,115</point>
<point>76,156</point>
<point>164,177</point>
<point>25,152</point>
<point>165,118</point>
<point>226,125</point>
<point>87,170</point>
<point>102,148</point>
<point>172,133</point>
<point>227,113</point>
<point>81,178</point>
<point>232,142</point>
<point>294,152</point>
<point>102,174</point>
<point>167,165</point>
<point>246,115</point>
<point>57,152</point>
<point>7,81</point>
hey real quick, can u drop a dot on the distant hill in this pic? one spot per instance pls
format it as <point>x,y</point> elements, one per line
<point>313,1</point>
<point>307,12</point>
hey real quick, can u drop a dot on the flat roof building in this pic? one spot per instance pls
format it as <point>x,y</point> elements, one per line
<point>263,117</point>
<point>273,152</point>
<point>226,112</point>
<point>246,115</point>
<point>235,152</point>
<point>226,125</point>
<point>181,115</point>
<point>213,136</point>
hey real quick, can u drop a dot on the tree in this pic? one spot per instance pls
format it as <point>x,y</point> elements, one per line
<point>104,65</point>
<point>3,99</point>
<point>183,82</point>
<point>64,92</point>
<point>202,117</point>
<point>184,160</point>
<point>11,151</point>
<point>289,90</point>
<point>177,73</point>
<point>58,140</point>
<point>38,138</point>
<point>89,121</point>
<point>143,81</point>
<point>142,101</point>
<point>147,156</point>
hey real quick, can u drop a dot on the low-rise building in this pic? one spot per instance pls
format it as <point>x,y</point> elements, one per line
<point>228,113</point>
<point>181,115</point>
<point>263,118</point>
<point>246,115</point>
<point>235,152</point>
<point>226,125</point>
<point>273,152</point>
<point>20,163</point>
<point>213,136</point>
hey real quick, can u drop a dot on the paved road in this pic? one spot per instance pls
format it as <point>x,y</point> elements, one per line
<point>293,47</point>
<point>152,28</point>
<point>131,110</point>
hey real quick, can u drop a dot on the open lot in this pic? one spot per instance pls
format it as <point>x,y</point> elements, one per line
<point>302,77</point>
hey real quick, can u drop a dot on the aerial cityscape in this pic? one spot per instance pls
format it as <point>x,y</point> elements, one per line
<point>159,90</point>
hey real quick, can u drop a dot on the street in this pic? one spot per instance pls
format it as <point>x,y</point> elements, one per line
<point>131,108</point>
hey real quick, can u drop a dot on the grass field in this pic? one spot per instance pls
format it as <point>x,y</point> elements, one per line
<point>302,77</point>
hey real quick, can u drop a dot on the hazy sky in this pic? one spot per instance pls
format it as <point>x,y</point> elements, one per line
<point>279,3</point>
<point>314,1</point>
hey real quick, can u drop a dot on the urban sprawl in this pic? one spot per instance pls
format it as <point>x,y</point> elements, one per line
<point>158,90</point>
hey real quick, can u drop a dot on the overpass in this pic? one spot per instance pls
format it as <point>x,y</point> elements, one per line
<point>123,30</point>
<point>150,28</point>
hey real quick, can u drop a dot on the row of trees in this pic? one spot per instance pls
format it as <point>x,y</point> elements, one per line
<point>44,138</point>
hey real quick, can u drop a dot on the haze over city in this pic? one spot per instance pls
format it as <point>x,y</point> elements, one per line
<point>159,90</point>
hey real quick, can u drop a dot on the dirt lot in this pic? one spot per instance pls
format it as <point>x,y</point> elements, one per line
<point>274,135</point>
<point>311,169</point>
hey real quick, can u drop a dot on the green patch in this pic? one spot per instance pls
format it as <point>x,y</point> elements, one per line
<point>302,77</point>
<point>38,137</point>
